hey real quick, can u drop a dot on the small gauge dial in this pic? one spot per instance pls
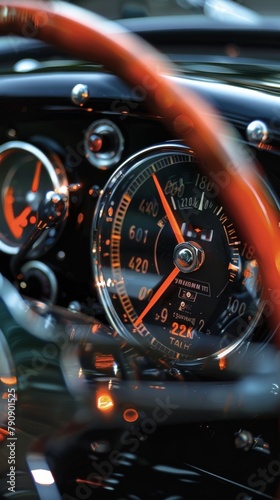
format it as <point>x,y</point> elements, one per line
<point>26,175</point>
<point>170,267</point>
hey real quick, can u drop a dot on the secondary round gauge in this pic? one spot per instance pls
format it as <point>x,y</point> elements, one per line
<point>26,175</point>
<point>170,267</point>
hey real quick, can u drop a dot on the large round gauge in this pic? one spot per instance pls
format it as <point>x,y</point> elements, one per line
<point>170,267</point>
<point>26,175</point>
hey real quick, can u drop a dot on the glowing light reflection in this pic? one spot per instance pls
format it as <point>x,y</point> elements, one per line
<point>105,402</point>
<point>43,476</point>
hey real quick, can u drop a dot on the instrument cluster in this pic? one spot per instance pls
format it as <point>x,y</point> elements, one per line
<point>169,269</point>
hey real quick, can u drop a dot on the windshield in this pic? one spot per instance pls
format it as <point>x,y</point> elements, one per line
<point>224,10</point>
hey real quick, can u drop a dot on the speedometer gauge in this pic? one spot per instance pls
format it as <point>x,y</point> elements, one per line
<point>26,175</point>
<point>170,267</point>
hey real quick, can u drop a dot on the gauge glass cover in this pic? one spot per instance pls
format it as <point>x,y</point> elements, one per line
<point>170,267</point>
<point>26,175</point>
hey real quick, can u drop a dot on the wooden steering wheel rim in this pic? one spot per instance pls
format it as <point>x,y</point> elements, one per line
<point>236,176</point>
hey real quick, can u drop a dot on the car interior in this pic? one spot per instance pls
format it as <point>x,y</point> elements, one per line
<point>139,250</point>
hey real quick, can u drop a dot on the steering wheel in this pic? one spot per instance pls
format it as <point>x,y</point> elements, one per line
<point>187,117</point>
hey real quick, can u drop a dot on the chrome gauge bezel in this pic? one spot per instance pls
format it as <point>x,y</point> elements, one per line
<point>103,219</point>
<point>54,169</point>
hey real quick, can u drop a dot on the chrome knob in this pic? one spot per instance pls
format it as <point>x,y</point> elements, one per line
<point>257,131</point>
<point>79,94</point>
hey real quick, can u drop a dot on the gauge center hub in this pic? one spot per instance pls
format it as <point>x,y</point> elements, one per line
<point>188,256</point>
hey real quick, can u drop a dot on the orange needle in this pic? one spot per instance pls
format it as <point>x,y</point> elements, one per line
<point>173,223</point>
<point>157,295</point>
<point>16,224</point>
<point>36,178</point>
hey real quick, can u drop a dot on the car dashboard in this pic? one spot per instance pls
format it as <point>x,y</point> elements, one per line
<point>85,229</point>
